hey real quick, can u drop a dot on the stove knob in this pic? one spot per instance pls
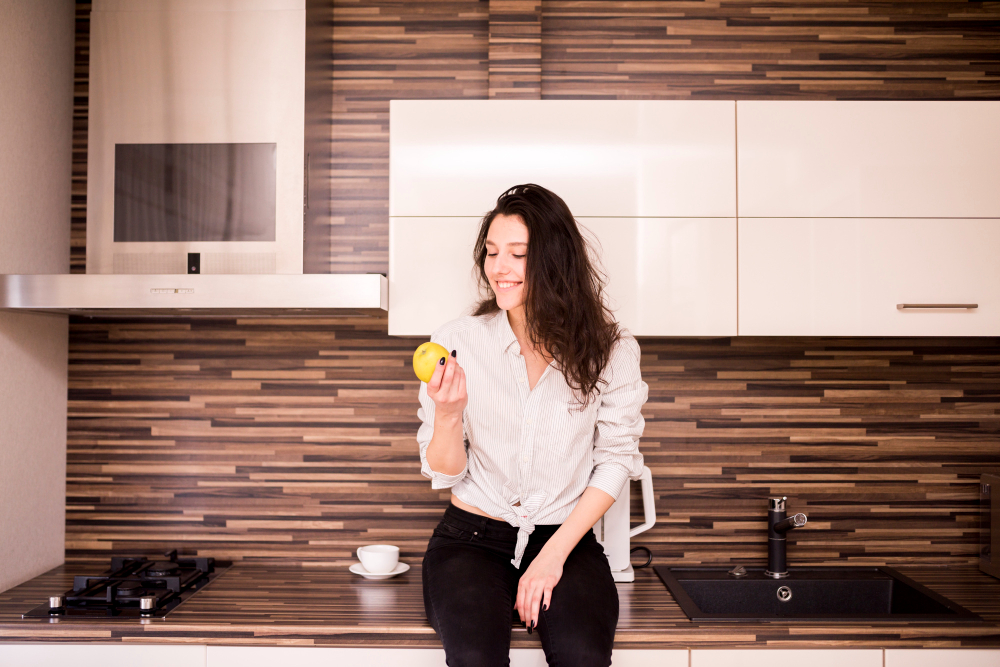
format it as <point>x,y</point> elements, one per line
<point>147,603</point>
<point>56,601</point>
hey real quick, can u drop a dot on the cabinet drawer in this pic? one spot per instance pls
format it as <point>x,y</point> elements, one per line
<point>963,657</point>
<point>786,657</point>
<point>846,277</point>
<point>314,656</point>
<point>869,159</point>
<point>666,276</point>
<point>101,655</point>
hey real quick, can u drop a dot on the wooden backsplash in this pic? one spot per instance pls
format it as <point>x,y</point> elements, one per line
<point>295,439</point>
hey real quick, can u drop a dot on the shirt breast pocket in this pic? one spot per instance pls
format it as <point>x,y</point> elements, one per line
<point>568,432</point>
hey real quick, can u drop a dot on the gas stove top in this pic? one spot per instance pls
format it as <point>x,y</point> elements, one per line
<point>134,587</point>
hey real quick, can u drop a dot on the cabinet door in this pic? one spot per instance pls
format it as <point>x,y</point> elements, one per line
<point>316,656</point>
<point>666,277</point>
<point>869,159</point>
<point>786,657</point>
<point>603,157</point>
<point>669,276</point>
<point>269,656</point>
<point>101,655</point>
<point>431,278</point>
<point>847,277</point>
<point>936,657</point>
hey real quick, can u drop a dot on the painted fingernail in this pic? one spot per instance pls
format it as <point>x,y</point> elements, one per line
<point>545,607</point>
<point>442,360</point>
<point>534,623</point>
<point>529,628</point>
<point>454,353</point>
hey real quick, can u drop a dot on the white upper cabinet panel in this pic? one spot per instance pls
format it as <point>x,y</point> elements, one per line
<point>674,277</point>
<point>604,158</point>
<point>847,277</point>
<point>430,273</point>
<point>869,159</point>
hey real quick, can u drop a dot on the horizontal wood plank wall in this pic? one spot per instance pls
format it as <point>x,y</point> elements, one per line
<point>433,49</point>
<point>295,439</point>
<point>252,439</point>
<point>742,49</point>
<point>515,49</point>
<point>81,101</point>
<point>317,240</point>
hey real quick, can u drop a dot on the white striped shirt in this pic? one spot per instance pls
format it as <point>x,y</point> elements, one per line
<point>531,453</point>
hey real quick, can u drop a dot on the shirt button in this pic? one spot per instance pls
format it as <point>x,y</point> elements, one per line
<point>525,459</point>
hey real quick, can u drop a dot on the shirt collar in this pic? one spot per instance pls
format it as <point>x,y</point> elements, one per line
<point>505,335</point>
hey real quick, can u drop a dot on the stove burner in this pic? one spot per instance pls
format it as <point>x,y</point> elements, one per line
<point>130,589</point>
<point>161,569</point>
<point>134,587</point>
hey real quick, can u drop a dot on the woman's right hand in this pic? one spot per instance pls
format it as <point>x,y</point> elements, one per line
<point>447,388</point>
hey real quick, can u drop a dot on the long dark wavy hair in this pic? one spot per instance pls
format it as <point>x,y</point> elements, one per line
<point>564,305</point>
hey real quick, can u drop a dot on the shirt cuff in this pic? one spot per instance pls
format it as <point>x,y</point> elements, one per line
<point>609,479</point>
<point>442,481</point>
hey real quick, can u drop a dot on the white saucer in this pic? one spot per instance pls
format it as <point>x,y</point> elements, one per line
<point>358,568</point>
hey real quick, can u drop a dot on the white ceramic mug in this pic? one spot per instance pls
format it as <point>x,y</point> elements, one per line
<point>379,558</point>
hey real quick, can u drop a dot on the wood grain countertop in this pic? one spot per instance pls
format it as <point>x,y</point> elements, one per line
<point>282,604</point>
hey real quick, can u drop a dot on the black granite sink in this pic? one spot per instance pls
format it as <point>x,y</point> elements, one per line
<point>835,594</point>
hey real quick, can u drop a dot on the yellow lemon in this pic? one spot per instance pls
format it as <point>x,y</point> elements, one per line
<point>426,358</point>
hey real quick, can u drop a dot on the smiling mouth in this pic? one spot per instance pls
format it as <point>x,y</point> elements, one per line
<point>506,284</point>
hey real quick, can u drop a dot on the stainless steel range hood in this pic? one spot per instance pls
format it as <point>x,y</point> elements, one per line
<point>196,295</point>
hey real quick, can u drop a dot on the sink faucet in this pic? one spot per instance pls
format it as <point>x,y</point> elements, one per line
<point>777,526</point>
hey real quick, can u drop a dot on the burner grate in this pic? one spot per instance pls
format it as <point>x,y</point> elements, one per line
<point>133,587</point>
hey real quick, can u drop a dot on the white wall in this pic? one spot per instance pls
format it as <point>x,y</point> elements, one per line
<point>36,102</point>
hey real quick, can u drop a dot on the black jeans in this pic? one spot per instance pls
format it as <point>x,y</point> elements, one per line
<point>470,588</point>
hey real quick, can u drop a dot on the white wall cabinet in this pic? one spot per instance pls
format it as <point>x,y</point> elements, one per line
<point>846,209</point>
<point>667,276</point>
<point>846,277</point>
<point>604,158</point>
<point>869,159</point>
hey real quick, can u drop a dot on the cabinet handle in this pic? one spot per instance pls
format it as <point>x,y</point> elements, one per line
<point>962,306</point>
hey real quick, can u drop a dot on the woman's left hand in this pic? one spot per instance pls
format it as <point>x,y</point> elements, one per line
<point>534,590</point>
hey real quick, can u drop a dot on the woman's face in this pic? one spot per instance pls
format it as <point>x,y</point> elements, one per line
<point>506,249</point>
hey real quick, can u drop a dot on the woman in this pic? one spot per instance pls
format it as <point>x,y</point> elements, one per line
<point>536,433</point>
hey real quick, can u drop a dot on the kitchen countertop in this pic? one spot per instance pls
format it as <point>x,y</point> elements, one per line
<point>290,605</point>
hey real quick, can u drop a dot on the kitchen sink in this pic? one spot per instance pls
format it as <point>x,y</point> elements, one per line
<point>835,594</point>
